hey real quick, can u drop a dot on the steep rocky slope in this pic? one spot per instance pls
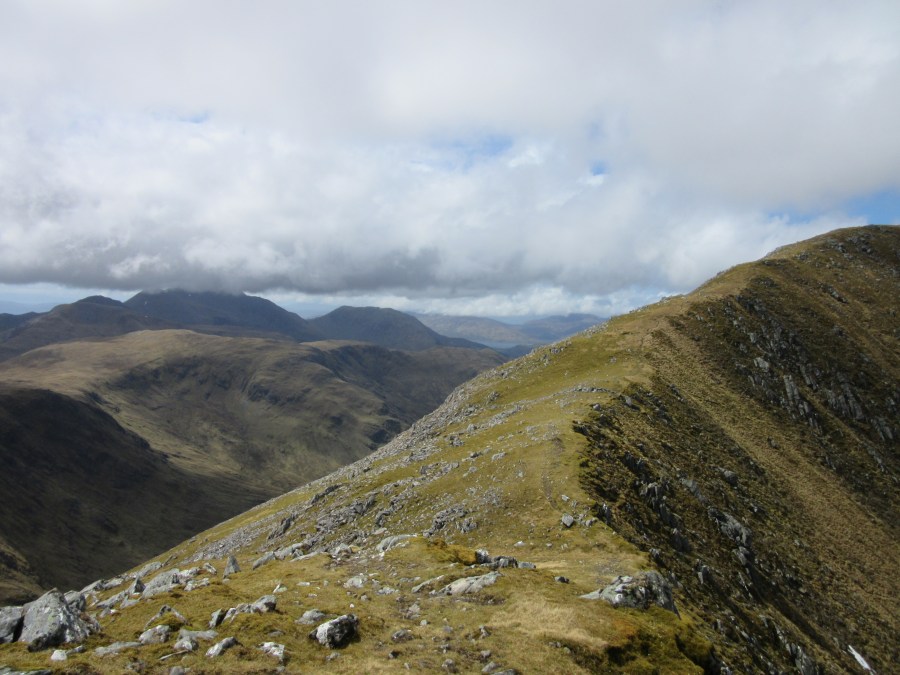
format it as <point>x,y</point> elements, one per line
<point>709,484</point>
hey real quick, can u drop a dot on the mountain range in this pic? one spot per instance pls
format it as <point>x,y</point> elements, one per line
<point>708,484</point>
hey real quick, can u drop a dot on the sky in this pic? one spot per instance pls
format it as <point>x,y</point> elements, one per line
<point>489,158</point>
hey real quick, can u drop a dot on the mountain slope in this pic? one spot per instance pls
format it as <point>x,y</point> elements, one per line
<point>740,442</point>
<point>240,419</point>
<point>89,318</point>
<point>222,313</point>
<point>386,327</point>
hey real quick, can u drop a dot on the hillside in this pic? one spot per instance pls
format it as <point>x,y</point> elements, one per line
<point>218,424</point>
<point>725,461</point>
<point>89,318</point>
<point>222,314</point>
<point>386,327</point>
<point>500,334</point>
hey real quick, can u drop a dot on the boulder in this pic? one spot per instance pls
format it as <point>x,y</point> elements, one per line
<point>265,604</point>
<point>197,634</point>
<point>337,632</point>
<point>156,635</point>
<point>268,557</point>
<point>231,567</point>
<point>216,618</point>
<point>638,591</point>
<point>10,623</point>
<point>273,649</point>
<point>115,648</point>
<point>388,543</point>
<point>49,622</point>
<point>221,647</point>
<point>164,582</point>
<point>469,584</point>
<point>185,644</point>
<point>311,616</point>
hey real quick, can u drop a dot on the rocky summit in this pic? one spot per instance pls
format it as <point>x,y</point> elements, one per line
<point>708,484</point>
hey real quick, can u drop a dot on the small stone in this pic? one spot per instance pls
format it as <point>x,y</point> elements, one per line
<point>402,635</point>
<point>59,655</point>
<point>567,520</point>
<point>450,666</point>
<point>561,579</point>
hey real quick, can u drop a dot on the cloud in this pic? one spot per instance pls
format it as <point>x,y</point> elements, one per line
<point>458,153</point>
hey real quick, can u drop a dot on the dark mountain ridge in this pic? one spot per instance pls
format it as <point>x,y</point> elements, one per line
<point>220,312</point>
<point>386,327</point>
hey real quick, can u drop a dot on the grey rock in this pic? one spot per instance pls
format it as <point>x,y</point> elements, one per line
<point>177,670</point>
<point>341,551</point>
<point>10,623</point>
<point>402,635</point>
<point>149,568</point>
<point>482,557</point>
<point>265,604</point>
<point>242,608</point>
<point>526,565</point>
<point>428,582</point>
<point>231,567</point>
<point>221,647</point>
<point>268,557</point>
<point>49,622</point>
<point>275,649</point>
<point>216,618</point>
<point>388,543</point>
<point>166,609</point>
<point>209,569</point>
<point>112,600</point>
<point>76,601</point>
<point>561,579</point>
<point>731,527</point>
<point>164,582</point>
<point>156,635</point>
<point>567,520</point>
<point>59,655</point>
<point>356,582</point>
<point>115,648</point>
<point>337,632</point>
<point>288,551</point>
<point>185,644</point>
<point>311,616</point>
<point>197,634</point>
<point>194,584</point>
<point>469,584</point>
<point>640,591</point>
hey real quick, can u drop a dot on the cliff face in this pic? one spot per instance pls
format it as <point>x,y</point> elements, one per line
<point>708,483</point>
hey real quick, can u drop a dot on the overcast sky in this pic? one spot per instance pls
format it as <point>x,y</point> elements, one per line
<point>497,158</point>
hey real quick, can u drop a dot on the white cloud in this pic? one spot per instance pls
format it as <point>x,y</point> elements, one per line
<point>436,152</point>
